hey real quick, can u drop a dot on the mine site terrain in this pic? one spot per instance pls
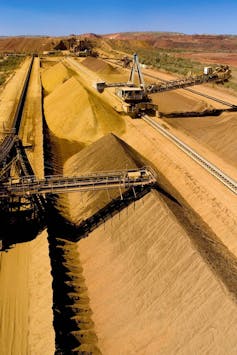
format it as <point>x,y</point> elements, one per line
<point>118,226</point>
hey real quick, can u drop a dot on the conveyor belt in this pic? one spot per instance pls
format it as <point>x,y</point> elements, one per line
<point>29,185</point>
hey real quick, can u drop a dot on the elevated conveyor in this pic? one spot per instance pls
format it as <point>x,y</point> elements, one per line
<point>216,76</point>
<point>136,98</point>
<point>30,185</point>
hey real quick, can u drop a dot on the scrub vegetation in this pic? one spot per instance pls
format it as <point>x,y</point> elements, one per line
<point>8,65</point>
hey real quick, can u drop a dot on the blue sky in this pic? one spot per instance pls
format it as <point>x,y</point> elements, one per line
<point>108,16</point>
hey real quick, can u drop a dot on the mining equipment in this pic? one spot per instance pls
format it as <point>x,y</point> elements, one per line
<point>83,48</point>
<point>124,62</point>
<point>135,98</point>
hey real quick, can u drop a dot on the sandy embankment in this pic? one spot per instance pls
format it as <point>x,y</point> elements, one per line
<point>174,101</point>
<point>50,81</point>
<point>152,288</point>
<point>26,299</point>
<point>216,133</point>
<point>76,117</point>
<point>108,153</point>
<point>10,96</point>
<point>26,322</point>
<point>109,72</point>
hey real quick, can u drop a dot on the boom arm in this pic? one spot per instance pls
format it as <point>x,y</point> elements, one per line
<point>221,74</point>
<point>101,85</point>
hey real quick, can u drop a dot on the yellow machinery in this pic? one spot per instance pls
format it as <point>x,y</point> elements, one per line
<point>136,100</point>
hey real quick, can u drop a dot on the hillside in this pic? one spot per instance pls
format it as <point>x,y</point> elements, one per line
<point>164,40</point>
<point>25,44</point>
<point>173,40</point>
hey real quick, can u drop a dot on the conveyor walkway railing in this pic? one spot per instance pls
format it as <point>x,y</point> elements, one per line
<point>123,179</point>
